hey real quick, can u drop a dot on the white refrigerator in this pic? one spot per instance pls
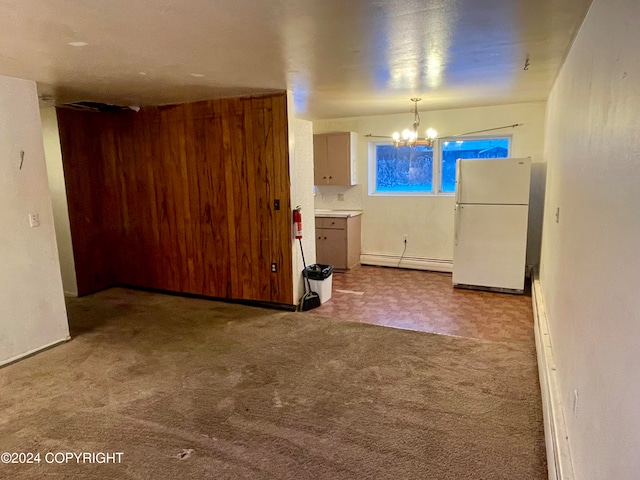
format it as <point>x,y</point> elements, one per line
<point>491,217</point>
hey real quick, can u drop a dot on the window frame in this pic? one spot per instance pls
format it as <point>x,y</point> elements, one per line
<point>440,141</point>
<point>436,181</point>
<point>373,172</point>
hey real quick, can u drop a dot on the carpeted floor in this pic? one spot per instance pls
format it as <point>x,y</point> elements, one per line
<point>194,389</point>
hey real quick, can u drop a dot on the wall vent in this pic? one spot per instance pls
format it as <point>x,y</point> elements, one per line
<point>95,107</point>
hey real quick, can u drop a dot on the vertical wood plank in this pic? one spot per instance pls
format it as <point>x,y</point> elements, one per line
<point>146,215</point>
<point>130,260</point>
<point>283,222</point>
<point>240,191</point>
<point>270,176</point>
<point>218,275</point>
<point>253,180</point>
<point>169,221</point>
<point>229,160</point>
<point>193,155</point>
<point>159,196</point>
<point>183,193</point>
<point>263,271</point>
<point>180,240</point>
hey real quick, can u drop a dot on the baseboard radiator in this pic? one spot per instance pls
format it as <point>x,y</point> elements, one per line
<point>555,430</point>
<point>416,263</point>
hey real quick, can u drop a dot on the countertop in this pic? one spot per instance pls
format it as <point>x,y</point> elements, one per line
<point>337,213</point>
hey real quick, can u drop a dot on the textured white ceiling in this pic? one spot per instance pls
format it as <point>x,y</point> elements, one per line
<point>340,57</point>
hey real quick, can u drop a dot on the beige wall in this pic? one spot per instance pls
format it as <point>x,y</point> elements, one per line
<point>428,220</point>
<point>590,271</point>
<point>301,172</point>
<point>55,175</point>
<point>32,309</point>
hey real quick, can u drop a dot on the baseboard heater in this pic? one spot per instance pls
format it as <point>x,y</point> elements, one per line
<point>416,263</point>
<point>555,430</point>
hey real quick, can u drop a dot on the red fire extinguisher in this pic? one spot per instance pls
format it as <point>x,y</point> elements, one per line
<point>297,222</point>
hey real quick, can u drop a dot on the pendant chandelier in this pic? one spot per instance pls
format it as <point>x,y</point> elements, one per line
<point>411,138</point>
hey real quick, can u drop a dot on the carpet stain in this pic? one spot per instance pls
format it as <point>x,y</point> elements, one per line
<point>277,402</point>
<point>185,454</point>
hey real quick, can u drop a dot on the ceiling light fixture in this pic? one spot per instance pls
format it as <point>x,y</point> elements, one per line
<point>78,44</point>
<point>197,75</point>
<point>410,137</point>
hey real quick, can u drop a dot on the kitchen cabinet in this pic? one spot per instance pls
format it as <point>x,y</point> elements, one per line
<point>338,241</point>
<point>334,158</point>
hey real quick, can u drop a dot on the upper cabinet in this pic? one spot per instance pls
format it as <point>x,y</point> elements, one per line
<point>334,158</point>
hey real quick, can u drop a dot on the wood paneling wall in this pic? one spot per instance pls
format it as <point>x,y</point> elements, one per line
<point>181,198</point>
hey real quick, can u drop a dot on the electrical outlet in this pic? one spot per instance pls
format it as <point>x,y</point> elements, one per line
<point>557,214</point>
<point>575,403</point>
<point>341,197</point>
<point>405,237</point>
<point>34,220</point>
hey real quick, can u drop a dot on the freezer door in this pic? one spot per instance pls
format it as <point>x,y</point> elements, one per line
<point>490,246</point>
<point>502,181</point>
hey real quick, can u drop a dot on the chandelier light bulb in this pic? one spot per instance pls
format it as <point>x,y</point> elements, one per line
<point>395,136</point>
<point>405,134</point>
<point>431,133</point>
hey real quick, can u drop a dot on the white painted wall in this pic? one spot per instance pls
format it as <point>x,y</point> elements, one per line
<point>428,220</point>
<point>32,308</point>
<point>590,267</point>
<point>301,172</point>
<point>55,173</point>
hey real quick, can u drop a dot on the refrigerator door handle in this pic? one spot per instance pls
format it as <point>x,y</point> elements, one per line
<point>458,181</point>
<point>457,225</point>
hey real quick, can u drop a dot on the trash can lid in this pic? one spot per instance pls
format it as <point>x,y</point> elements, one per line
<point>318,271</point>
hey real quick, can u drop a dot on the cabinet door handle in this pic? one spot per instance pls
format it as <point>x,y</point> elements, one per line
<point>325,238</point>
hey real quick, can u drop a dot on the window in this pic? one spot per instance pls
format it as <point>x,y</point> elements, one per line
<point>401,170</point>
<point>475,148</point>
<point>421,170</point>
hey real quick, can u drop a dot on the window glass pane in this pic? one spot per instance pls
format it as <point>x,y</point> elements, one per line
<point>454,149</point>
<point>404,169</point>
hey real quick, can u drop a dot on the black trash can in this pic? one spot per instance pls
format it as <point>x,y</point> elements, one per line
<point>321,279</point>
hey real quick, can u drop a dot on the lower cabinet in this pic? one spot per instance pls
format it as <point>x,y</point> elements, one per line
<point>338,241</point>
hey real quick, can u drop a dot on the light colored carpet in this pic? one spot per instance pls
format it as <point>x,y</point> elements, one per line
<point>243,392</point>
